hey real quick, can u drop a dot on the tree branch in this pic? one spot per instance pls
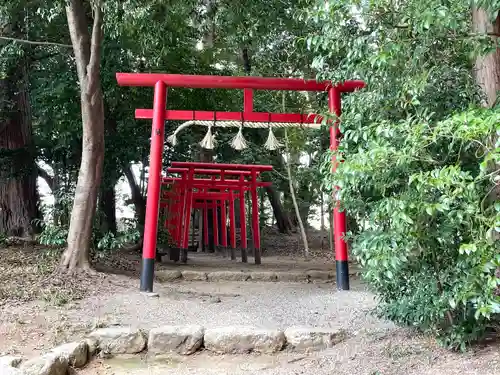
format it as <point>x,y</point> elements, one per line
<point>47,177</point>
<point>95,48</point>
<point>33,42</point>
<point>79,34</point>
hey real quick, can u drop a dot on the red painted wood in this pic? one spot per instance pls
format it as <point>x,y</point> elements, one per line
<point>205,223</point>
<point>183,115</point>
<point>207,171</point>
<point>215,225</point>
<point>248,100</point>
<point>222,166</point>
<point>223,234</point>
<point>255,219</point>
<point>243,225</point>
<point>155,161</point>
<point>339,219</point>
<point>220,82</point>
<point>232,223</point>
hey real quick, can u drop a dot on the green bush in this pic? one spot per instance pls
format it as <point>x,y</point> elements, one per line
<point>52,235</point>
<point>420,158</point>
<point>428,241</point>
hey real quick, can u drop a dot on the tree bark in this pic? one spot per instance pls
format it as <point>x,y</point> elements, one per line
<point>47,177</point>
<point>87,57</point>
<point>487,73</point>
<point>107,196</point>
<point>322,219</point>
<point>487,68</point>
<point>107,208</point>
<point>18,172</point>
<point>281,218</point>
<point>209,34</point>
<point>303,233</point>
<point>137,197</point>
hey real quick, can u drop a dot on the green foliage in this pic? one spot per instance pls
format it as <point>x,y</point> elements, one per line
<point>427,244</point>
<point>417,160</point>
<point>164,239</point>
<point>53,235</point>
<point>110,242</point>
<point>3,240</point>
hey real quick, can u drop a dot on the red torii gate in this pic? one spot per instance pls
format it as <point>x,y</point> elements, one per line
<point>186,196</point>
<point>159,115</point>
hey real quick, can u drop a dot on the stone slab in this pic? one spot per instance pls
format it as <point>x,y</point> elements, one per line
<point>298,277</point>
<point>243,339</point>
<point>166,276</point>
<point>194,275</point>
<point>119,340</point>
<point>313,339</point>
<point>182,340</point>
<point>48,364</point>
<point>76,353</point>
<point>263,276</point>
<point>228,276</point>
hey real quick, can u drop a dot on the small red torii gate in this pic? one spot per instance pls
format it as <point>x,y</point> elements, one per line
<point>159,114</point>
<point>188,188</point>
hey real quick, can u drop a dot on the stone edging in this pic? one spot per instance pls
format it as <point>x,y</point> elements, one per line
<point>182,340</point>
<point>311,276</point>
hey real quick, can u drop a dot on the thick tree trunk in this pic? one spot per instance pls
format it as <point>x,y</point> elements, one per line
<point>487,72</point>
<point>87,57</point>
<point>18,172</point>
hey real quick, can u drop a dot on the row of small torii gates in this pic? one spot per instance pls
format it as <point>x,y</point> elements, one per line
<point>212,197</point>
<point>211,187</point>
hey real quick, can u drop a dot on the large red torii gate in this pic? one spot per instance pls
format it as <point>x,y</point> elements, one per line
<point>159,114</point>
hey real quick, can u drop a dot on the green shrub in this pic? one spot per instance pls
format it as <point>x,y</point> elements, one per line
<point>52,235</point>
<point>428,238</point>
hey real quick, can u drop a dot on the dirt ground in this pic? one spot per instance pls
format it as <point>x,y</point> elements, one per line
<point>39,311</point>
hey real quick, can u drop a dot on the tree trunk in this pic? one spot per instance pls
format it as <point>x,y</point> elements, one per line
<point>330,231</point>
<point>295,205</point>
<point>304,209</point>
<point>322,219</point>
<point>137,197</point>
<point>107,197</point>
<point>487,69</point>
<point>487,73</point>
<point>209,34</point>
<point>107,208</point>
<point>18,172</point>
<point>87,58</point>
<point>281,218</point>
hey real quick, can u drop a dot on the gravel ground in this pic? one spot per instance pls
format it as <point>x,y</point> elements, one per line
<point>373,346</point>
<point>265,305</point>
